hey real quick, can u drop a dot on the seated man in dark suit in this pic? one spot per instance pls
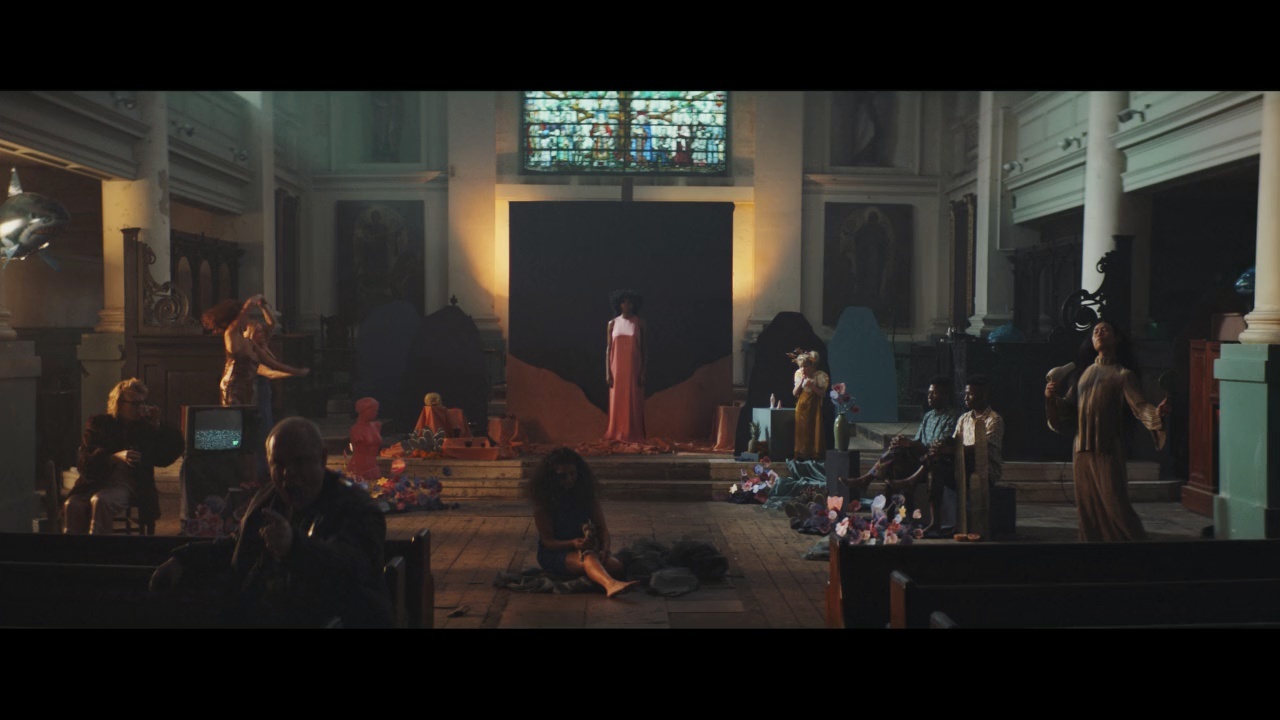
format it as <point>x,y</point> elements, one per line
<point>118,457</point>
<point>309,548</point>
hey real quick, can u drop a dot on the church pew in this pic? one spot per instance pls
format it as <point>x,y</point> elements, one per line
<point>152,550</point>
<point>1076,604</point>
<point>420,585</point>
<point>34,594</point>
<point>939,620</point>
<point>90,549</point>
<point>858,589</point>
<point>393,572</point>
<point>72,595</point>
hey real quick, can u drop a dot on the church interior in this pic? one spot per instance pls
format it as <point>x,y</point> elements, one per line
<point>797,287</point>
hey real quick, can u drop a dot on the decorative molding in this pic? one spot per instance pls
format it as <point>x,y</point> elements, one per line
<point>163,304</point>
<point>204,158</point>
<point>1067,162</point>
<point>56,147</point>
<point>1142,132</point>
<point>1034,103</point>
<point>879,184</point>
<point>379,181</point>
<point>1207,141</point>
<point>1063,191</point>
<point>962,183</point>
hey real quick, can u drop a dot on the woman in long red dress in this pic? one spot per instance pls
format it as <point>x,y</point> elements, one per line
<point>625,368</point>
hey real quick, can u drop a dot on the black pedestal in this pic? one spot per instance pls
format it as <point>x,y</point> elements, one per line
<point>841,464</point>
<point>1004,511</point>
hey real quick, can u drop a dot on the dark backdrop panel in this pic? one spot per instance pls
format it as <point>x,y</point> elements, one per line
<point>566,257</point>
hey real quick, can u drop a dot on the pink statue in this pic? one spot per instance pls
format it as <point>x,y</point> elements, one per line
<point>366,441</point>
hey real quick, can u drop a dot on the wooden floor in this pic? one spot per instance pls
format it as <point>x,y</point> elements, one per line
<point>769,584</point>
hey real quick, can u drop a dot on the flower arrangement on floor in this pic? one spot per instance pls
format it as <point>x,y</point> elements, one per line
<point>219,516</point>
<point>399,493</point>
<point>887,525</point>
<point>752,487</point>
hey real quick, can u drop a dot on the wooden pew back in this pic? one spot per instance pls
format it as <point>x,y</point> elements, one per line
<point>862,594</point>
<point>1072,604</point>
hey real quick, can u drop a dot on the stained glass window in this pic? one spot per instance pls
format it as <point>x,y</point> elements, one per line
<point>625,131</point>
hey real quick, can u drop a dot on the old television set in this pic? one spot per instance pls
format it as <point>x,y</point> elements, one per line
<point>220,455</point>
<point>215,428</point>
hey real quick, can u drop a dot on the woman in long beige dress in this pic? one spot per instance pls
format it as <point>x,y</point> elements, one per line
<point>1094,409</point>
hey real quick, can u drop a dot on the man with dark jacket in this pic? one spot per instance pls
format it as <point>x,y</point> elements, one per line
<point>309,548</point>
<point>118,457</point>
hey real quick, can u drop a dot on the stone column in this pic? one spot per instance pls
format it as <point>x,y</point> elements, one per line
<point>19,374</point>
<point>472,246</point>
<point>1248,502</point>
<point>141,203</point>
<point>1264,322</point>
<point>1247,506</point>
<point>779,177</point>
<point>992,277</point>
<point>1103,191</point>
<point>6,330</point>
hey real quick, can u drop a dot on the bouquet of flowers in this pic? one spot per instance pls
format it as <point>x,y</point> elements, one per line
<point>844,402</point>
<point>887,525</point>
<point>754,486</point>
<point>399,493</point>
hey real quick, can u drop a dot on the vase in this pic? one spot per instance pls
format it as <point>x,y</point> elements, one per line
<point>842,431</point>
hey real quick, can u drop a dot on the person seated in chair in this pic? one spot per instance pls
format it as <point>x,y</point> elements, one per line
<point>309,548</point>
<point>909,462</point>
<point>118,456</point>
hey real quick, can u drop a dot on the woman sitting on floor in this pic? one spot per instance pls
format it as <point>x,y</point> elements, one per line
<point>573,538</point>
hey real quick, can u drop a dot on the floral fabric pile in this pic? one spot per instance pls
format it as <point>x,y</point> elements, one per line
<point>753,487</point>
<point>403,494</point>
<point>219,516</point>
<point>886,525</point>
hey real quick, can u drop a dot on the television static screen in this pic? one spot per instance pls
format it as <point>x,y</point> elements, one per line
<point>218,429</point>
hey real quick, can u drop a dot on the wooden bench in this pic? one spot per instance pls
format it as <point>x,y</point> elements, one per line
<point>1070,604</point>
<point>34,594</point>
<point>129,550</point>
<point>858,583</point>
<point>420,585</point>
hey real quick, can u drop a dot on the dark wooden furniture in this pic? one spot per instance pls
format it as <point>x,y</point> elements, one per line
<point>1202,431</point>
<point>149,551</point>
<point>1085,604</point>
<point>858,590</point>
<point>394,572</point>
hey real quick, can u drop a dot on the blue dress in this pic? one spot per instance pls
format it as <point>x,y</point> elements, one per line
<point>568,513</point>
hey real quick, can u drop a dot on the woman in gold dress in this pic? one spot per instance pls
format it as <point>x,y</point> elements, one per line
<point>810,389</point>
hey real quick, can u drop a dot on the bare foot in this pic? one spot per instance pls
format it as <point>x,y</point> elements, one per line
<point>621,587</point>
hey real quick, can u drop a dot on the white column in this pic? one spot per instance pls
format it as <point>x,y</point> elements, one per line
<point>993,275</point>
<point>779,176</point>
<point>141,203</point>
<point>1264,322</point>
<point>6,331</point>
<point>473,175</point>
<point>262,159</point>
<point>1103,191</point>
<point>117,201</point>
